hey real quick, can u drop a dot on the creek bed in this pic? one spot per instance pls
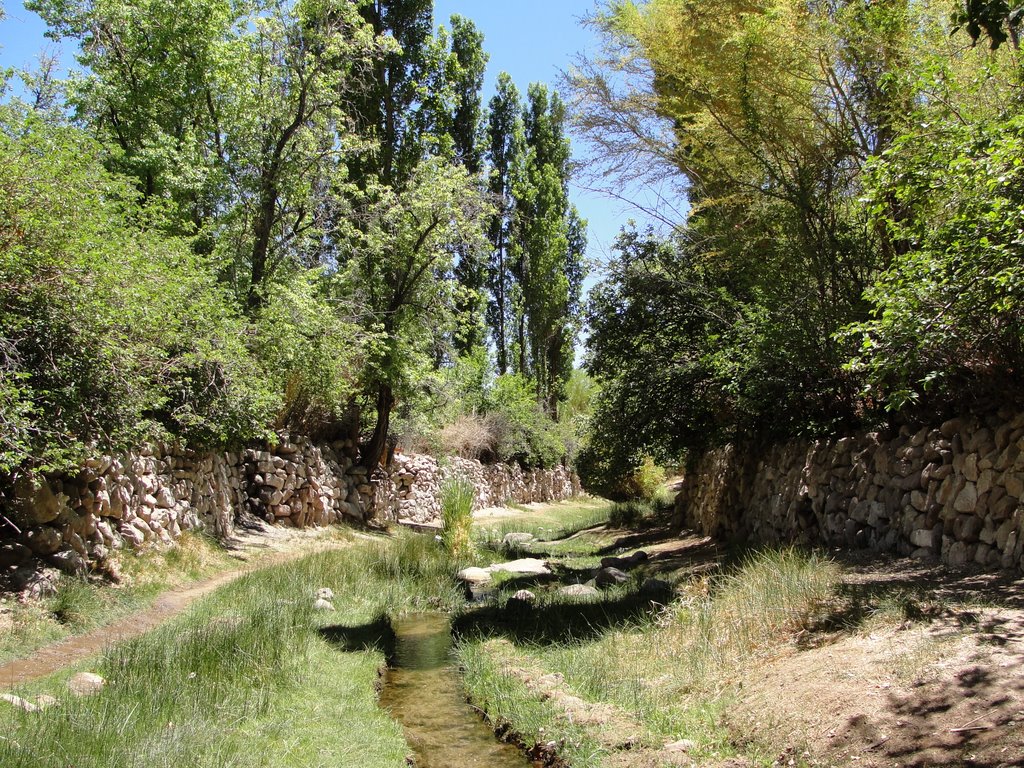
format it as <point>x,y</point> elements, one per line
<point>423,691</point>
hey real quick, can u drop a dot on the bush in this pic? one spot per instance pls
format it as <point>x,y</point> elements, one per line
<point>525,434</point>
<point>311,357</point>
<point>948,317</point>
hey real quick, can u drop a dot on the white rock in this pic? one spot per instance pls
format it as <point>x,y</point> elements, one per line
<point>474,575</point>
<point>20,703</point>
<point>86,683</point>
<point>527,566</point>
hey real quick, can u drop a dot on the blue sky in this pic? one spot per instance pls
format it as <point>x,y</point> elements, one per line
<point>532,40</point>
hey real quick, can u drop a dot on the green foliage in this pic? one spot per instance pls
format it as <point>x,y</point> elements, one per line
<point>457,497</point>
<point>525,433</point>
<point>112,331</point>
<point>948,315</point>
<point>310,355</point>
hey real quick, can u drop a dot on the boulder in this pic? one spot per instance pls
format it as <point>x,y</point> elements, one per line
<point>608,576</point>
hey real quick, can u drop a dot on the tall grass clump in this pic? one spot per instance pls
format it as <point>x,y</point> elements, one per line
<point>770,598</point>
<point>457,497</point>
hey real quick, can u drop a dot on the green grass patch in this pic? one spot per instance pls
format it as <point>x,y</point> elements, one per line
<point>547,523</point>
<point>250,675</point>
<point>675,672</point>
<point>82,605</point>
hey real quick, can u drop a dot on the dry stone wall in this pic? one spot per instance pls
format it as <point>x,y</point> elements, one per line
<point>412,491</point>
<point>155,494</point>
<point>953,492</point>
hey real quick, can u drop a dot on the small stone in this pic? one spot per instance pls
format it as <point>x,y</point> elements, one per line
<point>86,683</point>
<point>923,537</point>
<point>608,576</point>
<point>683,745</point>
<point>323,605</point>
<point>967,499</point>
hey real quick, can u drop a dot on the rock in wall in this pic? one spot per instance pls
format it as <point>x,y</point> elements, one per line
<point>953,491</point>
<point>411,491</point>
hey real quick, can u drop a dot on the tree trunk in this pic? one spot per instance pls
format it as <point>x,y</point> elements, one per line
<point>373,451</point>
<point>261,246</point>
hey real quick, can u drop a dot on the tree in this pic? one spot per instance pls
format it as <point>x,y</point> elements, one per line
<point>229,110</point>
<point>397,272</point>
<point>547,264</point>
<point>506,140</point>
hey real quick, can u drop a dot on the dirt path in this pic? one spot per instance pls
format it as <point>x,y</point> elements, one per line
<point>256,550</point>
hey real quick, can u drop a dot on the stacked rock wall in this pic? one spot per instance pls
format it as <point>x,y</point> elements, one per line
<point>954,492</point>
<point>412,490</point>
<point>151,496</point>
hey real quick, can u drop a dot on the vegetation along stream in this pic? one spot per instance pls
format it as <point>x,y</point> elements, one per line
<point>423,691</point>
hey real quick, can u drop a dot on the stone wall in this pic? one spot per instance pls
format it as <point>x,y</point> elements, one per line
<point>953,492</point>
<point>153,495</point>
<point>412,492</point>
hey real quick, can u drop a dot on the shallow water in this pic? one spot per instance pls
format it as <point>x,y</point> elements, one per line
<point>422,690</point>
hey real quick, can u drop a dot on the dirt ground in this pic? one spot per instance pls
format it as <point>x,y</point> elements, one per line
<point>943,688</point>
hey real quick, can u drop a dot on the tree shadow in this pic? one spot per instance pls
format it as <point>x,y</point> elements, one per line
<point>558,621</point>
<point>378,635</point>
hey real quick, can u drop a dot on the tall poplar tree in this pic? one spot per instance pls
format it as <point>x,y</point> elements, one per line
<point>506,146</point>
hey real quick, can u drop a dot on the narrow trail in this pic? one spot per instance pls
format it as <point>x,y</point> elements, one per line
<point>275,546</point>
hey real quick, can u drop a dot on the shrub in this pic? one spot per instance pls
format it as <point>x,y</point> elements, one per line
<point>525,434</point>
<point>470,436</point>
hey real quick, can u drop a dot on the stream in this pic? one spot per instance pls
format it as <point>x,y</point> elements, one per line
<point>423,691</point>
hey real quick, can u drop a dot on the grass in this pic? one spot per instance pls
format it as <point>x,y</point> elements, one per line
<point>80,605</point>
<point>251,675</point>
<point>547,523</point>
<point>674,672</point>
<point>457,497</point>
